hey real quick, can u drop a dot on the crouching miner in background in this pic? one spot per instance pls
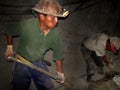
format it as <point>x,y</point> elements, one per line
<point>94,49</point>
<point>36,36</point>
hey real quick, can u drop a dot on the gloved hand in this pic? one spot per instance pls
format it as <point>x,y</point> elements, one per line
<point>110,66</point>
<point>9,51</point>
<point>60,77</point>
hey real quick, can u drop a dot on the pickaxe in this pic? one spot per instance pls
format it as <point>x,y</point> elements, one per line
<point>22,60</point>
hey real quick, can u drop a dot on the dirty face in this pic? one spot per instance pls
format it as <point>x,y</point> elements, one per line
<point>49,21</point>
<point>111,47</point>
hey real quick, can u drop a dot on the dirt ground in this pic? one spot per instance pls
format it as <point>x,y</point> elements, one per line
<point>107,82</point>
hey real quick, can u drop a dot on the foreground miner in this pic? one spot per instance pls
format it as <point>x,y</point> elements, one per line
<point>36,36</point>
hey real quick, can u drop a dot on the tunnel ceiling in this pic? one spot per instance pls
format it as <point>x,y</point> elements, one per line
<point>13,10</point>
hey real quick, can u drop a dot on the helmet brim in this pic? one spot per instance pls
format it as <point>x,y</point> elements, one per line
<point>64,13</point>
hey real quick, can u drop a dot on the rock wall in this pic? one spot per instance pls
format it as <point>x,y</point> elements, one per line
<point>91,17</point>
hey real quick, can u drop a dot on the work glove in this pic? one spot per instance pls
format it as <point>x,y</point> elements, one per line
<point>60,78</point>
<point>110,66</point>
<point>9,51</point>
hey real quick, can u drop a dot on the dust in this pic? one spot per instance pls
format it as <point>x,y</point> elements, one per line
<point>106,83</point>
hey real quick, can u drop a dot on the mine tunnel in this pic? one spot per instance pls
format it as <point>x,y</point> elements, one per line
<point>86,18</point>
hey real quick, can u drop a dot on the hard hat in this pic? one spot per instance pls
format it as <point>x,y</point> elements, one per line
<point>50,7</point>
